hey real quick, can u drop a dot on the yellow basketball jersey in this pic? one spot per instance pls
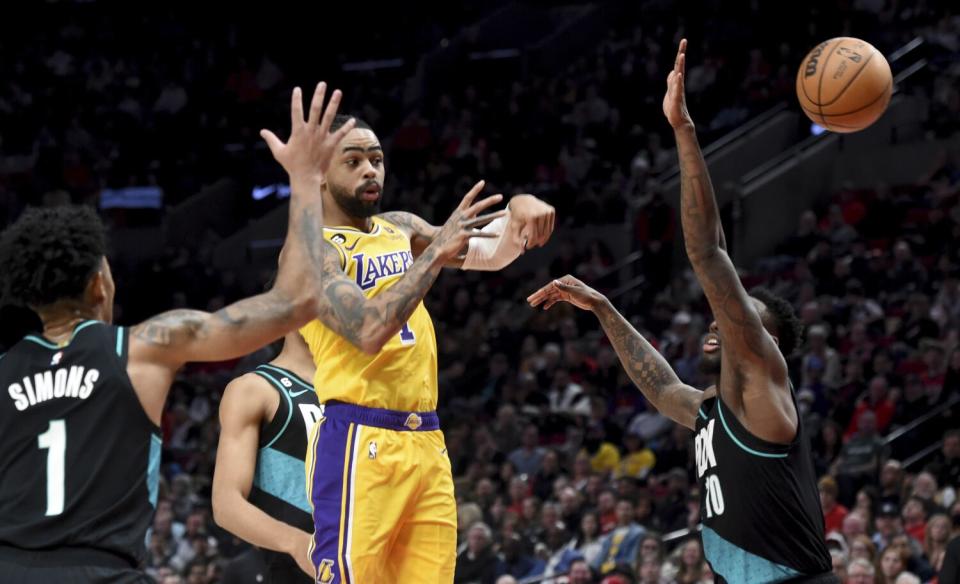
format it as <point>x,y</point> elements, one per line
<point>403,375</point>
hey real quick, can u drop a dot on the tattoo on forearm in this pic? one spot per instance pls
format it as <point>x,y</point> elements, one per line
<point>704,242</point>
<point>231,317</point>
<point>410,223</point>
<point>312,234</point>
<point>648,370</point>
<point>346,310</point>
<point>171,327</point>
<point>180,327</point>
<point>699,213</point>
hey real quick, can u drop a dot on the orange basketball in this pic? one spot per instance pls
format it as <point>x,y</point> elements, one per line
<point>844,84</point>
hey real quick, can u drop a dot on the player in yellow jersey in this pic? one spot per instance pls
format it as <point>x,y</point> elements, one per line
<point>378,474</point>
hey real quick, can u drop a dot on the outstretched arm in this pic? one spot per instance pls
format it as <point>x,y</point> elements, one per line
<point>529,224</point>
<point>753,375</point>
<point>368,323</point>
<point>648,370</point>
<point>175,337</point>
<point>743,336</point>
<point>161,345</point>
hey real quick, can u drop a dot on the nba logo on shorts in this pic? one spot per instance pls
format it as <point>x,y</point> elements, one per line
<point>325,572</point>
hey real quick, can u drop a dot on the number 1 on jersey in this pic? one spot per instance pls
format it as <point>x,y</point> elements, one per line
<point>406,335</point>
<point>55,440</point>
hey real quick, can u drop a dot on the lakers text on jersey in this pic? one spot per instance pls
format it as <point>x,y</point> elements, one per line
<point>403,375</point>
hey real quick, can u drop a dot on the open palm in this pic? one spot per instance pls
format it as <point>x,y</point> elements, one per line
<point>675,100</point>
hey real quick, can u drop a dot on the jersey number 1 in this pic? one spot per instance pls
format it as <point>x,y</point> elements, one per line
<point>55,440</point>
<point>406,335</point>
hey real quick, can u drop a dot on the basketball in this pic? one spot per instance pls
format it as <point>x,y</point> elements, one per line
<point>844,84</point>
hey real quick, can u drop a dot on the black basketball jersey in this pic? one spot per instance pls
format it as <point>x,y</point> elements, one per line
<point>279,483</point>
<point>79,458</point>
<point>759,502</point>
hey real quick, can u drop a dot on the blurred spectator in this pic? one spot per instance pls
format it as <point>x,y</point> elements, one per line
<point>861,571</point>
<point>476,562</point>
<point>833,512</point>
<point>621,545</point>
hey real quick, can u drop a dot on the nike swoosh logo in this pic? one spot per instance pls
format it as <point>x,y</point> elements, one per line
<point>301,392</point>
<point>442,452</point>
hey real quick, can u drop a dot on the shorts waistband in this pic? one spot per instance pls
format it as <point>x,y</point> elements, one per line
<point>380,418</point>
<point>65,557</point>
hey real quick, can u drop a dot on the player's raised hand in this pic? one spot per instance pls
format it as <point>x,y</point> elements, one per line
<point>567,289</point>
<point>532,220</point>
<point>675,101</point>
<point>311,146</point>
<point>463,222</point>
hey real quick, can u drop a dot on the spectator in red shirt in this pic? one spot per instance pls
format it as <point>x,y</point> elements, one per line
<point>607,511</point>
<point>915,519</point>
<point>833,512</point>
<point>876,401</point>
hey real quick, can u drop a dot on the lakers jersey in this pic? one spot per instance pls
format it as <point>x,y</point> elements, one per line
<point>403,374</point>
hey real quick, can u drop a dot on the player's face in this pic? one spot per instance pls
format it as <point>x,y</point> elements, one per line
<point>710,360</point>
<point>712,343</point>
<point>356,174</point>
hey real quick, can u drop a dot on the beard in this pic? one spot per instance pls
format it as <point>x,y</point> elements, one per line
<point>710,363</point>
<point>352,204</point>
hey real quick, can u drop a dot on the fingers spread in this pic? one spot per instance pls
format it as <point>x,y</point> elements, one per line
<point>484,204</point>
<point>296,108</point>
<point>471,195</point>
<point>482,220</point>
<point>274,143</point>
<point>331,112</point>
<point>316,104</point>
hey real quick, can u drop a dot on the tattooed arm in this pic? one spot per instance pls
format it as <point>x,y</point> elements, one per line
<point>741,329</point>
<point>648,370</point>
<point>753,378</point>
<point>368,323</point>
<point>420,232</point>
<point>530,220</point>
<point>161,345</point>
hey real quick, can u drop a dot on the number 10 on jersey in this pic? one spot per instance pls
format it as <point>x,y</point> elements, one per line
<point>714,496</point>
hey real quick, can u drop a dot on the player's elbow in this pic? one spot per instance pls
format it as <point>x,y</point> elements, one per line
<point>306,307</point>
<point>702,252</point>
<point>223,501</point>
<point>220,507</point>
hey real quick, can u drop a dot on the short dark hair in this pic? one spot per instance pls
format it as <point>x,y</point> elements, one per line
<point>340,119</point>
<point>50,254</point>
<point>788,327</point>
